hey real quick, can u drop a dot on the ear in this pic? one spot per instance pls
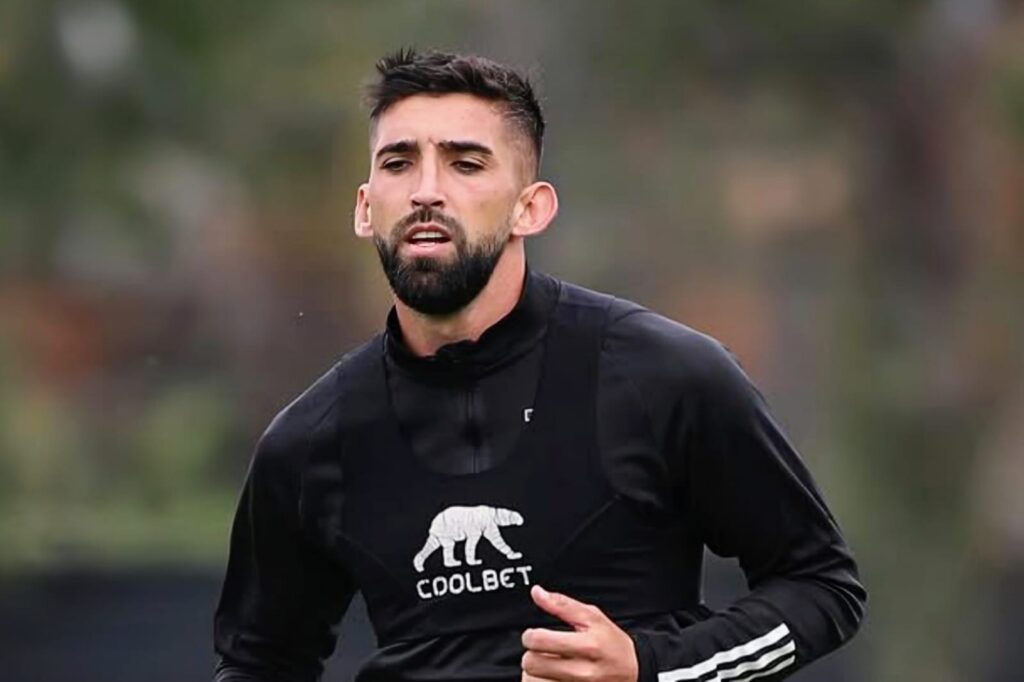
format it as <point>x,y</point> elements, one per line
<point>361,220</point>
<point>536,207</point>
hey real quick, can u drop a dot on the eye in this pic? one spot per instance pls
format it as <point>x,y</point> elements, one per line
<point>468,167</point>
<point>395,165</point>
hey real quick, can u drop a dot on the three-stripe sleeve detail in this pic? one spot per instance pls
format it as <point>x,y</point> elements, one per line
<point>760,657</point>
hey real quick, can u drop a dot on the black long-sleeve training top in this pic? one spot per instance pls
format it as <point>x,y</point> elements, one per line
<point>583,443</point>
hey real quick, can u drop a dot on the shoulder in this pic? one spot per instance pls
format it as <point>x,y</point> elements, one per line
<point>656,350</point>
<point>311,418</point>
<point>660,357</point>
<point>652,349</point>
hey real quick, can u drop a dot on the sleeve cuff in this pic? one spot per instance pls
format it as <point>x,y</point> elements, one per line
<point>647,668</point>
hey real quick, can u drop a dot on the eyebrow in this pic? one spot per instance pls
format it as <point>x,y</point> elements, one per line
<point>461,146</point>
<point>399,147</point>
<point>465,146</point>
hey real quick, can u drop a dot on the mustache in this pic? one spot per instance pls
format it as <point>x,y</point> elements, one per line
<point>426,214</point>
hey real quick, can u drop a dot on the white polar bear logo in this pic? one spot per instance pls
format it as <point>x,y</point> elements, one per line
<point>469,524</point>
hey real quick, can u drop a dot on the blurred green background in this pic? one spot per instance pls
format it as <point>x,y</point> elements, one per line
<point>833,189</point>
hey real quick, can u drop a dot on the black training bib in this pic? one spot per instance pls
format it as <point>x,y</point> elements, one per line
<point>437,553</point>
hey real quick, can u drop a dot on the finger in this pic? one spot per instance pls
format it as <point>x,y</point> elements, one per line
<point>530,678</point>
<point>556,668</point>
<point>559,643</point>
<point>527,677</point>
<point>565,608</point>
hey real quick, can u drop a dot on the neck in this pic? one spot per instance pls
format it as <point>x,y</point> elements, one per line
<point>424,334</point>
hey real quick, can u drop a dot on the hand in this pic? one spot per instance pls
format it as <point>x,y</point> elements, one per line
<point>597,650</point>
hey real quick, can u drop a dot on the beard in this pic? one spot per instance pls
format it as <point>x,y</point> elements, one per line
<point>438,286</point>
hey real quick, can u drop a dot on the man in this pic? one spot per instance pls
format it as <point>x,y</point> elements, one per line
<point>519,475</point>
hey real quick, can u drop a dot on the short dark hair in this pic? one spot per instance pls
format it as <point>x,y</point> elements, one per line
<point>407,72</point>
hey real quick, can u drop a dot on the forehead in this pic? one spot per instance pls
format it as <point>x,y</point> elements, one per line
<point>431,118</point>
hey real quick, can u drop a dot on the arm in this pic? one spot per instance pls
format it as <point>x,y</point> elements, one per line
<point>752,498</point>
<point>717,454</point>
<point>282,596</point>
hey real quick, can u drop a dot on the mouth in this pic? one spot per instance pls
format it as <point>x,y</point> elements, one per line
<point>426,237</point>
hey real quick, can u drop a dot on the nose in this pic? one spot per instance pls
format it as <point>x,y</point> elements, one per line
<point>428,191</point>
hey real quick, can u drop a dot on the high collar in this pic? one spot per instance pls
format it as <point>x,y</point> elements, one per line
<point>505,340</point>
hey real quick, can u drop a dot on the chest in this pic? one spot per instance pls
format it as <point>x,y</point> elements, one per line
<point>435,552</point>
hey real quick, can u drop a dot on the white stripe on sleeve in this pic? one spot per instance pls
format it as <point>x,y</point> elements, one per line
<point>758,666</point>
<point>784,664</point>
<point>709,664</point>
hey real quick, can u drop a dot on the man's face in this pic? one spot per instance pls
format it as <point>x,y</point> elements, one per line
<point>446,174</point>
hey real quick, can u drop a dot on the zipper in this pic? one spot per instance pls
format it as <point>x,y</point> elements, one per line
<point>473,429</point>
